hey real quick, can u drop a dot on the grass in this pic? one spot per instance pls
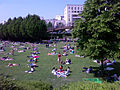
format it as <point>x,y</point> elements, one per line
<point>45,64</point>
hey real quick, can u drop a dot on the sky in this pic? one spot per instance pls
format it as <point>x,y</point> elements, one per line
<point>47,9</point>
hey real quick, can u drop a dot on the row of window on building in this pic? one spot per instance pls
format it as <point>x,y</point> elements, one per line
<point>76,8</point>
<point>75,11</point>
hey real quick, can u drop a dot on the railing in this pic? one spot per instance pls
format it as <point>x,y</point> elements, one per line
<point>59,28</point>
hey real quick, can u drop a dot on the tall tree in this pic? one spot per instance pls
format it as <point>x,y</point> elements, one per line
<point>99,29</point>
<point>30,28</point>
<point>49,25</point>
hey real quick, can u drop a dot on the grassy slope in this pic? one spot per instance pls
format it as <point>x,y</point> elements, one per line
<point>45,64</point>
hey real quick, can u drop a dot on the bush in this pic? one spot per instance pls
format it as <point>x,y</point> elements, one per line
<point>35,85</point>
<point>90,86</point>
<point>7,84</point>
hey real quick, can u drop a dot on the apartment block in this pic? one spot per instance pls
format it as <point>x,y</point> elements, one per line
<point>71,13</point>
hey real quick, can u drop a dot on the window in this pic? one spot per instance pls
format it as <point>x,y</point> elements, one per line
<point>77,11</point>
<point>68,15</point>
<point>75,8</point>
<point>78,8</point>
<point>72,8</point>
<point>69,19</point>
<point>68,7</point>
<point>81,8</point>
<point>74,11</point>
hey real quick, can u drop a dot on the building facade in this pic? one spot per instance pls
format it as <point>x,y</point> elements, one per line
<point>71,13</point>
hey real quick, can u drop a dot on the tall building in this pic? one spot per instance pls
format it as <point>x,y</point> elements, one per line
<point>71,13</point>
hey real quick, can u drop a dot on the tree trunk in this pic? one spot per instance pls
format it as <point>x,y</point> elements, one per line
<point>102,68</point>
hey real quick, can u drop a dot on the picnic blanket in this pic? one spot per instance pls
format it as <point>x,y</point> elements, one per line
<point>96,80</point>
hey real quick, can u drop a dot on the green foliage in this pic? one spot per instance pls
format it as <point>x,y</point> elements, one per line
<point>30,28</point>
<point>35,85</point>
<point>98,29</point>
<point>7,84</point>
<point>49,25</point>
<point>90,86</point>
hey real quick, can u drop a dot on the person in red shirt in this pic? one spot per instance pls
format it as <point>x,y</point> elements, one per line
<point>60,69</point>
<point>59,58</point>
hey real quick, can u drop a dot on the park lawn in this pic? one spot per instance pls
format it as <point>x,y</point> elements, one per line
<point>45,64</point>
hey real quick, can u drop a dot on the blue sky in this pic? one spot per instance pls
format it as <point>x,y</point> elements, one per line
<point>44,8</point>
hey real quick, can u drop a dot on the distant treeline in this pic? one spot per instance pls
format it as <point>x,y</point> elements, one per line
<point>30,28</point>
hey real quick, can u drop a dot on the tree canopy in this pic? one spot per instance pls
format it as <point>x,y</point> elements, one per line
<point>30,28</point>
<point>98,30</point>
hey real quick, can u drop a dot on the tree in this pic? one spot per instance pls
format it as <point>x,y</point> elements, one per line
<point>49,25</point>
<point>99,29</point>
<point>60,24</point>
<point>30,28</point>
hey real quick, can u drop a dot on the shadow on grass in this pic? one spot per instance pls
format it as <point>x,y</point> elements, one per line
<point>107,74</point>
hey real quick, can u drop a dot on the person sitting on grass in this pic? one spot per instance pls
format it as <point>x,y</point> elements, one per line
<point>68,61</point>
<point>64,54</point>
<point>87,70</point>
<point>54,71</point>
<point>60,69</point>
<point>67,71</point>
<point>54,49</point>
<point>2,49</point>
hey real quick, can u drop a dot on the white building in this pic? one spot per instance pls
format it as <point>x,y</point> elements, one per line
<point>59,17</point>
<point>55,22</point>
<point>71,13</point>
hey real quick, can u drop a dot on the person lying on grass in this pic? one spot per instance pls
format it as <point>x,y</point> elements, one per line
<point>2,49</point>
<point>64,54</point>
<point>106,62</point>
<point>33,59</point>
<point>87,70</point>
<point>21,51</point>
<point>11,65</point>
<point>32,65</point>
<point>53,53</point>
<point>35,53</point>
<point>6,58</point>
<point>31,70</point>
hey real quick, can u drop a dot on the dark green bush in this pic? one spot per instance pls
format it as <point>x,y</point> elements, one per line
<point>35,85</point>
<point>90,86</point>
<point>7,84</point>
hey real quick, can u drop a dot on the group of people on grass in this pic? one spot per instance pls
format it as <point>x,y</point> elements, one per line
<point>33,58</point>
<point>106,62</point>
<point>60,72</point>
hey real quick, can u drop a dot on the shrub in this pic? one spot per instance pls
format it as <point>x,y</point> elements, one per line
<point>35,85</point>
<point>7,84</point>
<point>90,86</point>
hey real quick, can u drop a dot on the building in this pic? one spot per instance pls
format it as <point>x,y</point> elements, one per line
<point>55,22</point>
<point>59,17</point>
<point>71,13</point>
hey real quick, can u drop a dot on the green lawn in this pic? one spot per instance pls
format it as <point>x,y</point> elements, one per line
<point>45,64</point>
